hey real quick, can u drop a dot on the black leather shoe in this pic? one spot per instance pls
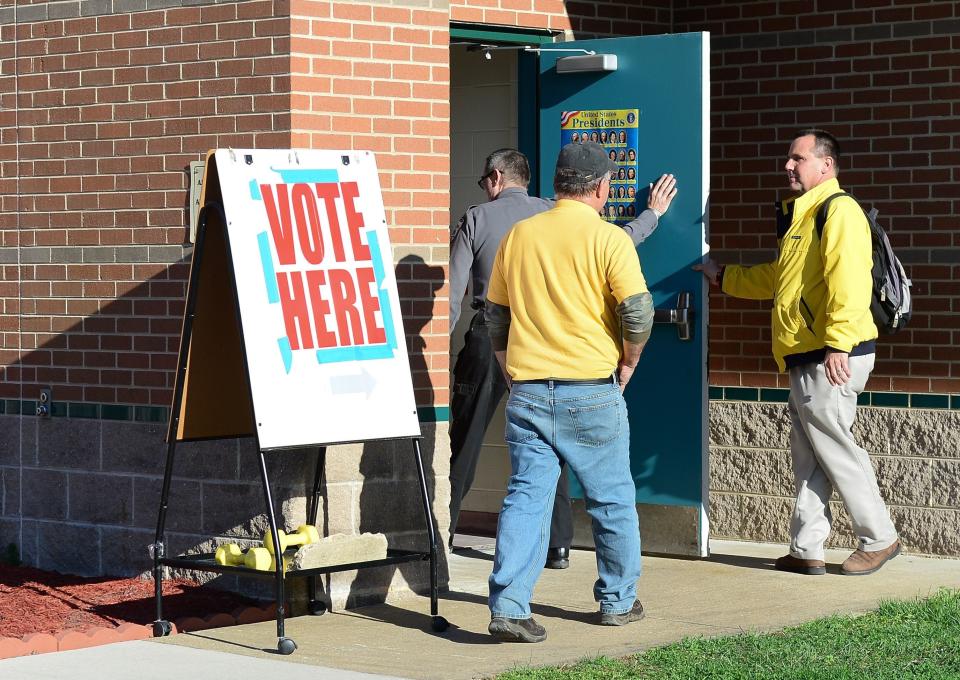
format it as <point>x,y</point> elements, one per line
<point>558,558</point>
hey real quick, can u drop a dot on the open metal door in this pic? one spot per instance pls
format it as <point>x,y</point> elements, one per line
<point>656,102</point>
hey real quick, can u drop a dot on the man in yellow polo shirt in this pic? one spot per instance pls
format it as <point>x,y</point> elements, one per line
<point>568,313</point>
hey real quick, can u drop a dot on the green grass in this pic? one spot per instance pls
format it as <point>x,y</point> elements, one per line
<point>914,639</point>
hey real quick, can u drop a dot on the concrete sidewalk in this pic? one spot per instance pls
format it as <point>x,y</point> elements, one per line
<point>147,660</point>
<point>735,590</point>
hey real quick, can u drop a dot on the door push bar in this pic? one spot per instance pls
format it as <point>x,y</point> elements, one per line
<point>682,316</point>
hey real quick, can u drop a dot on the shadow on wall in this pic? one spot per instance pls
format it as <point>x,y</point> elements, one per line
<point>390,500</point>
<point>75,485</point>
<point>80,490</point>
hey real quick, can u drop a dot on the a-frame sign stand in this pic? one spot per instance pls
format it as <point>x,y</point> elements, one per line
<point>215,394</point>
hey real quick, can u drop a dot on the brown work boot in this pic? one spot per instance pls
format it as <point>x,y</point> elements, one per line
<point>861,562</point>
<point>516,630</point>
<point>799,566</point>
<point>635,614</point>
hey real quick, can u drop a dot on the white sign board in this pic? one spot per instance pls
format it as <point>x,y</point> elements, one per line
<point>319,310</point>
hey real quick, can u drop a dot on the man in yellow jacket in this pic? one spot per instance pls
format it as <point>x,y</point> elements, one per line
<point>823,333</point>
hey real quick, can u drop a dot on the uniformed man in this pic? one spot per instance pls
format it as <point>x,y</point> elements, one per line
<point>478,384</point>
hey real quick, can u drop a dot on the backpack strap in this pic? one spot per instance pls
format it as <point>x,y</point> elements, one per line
<point>821,219</point>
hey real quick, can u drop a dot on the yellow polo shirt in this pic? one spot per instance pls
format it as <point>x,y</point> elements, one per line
<point>562,273</point>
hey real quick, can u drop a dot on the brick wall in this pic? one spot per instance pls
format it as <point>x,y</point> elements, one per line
<point>376,76</point>
<point>101,116</point>
<point>583,19</point>
<point>884,77</point>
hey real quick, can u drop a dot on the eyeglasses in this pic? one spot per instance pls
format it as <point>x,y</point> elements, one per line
<point>480,181</point>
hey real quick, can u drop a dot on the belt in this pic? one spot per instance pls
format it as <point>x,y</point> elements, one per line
<point>610,380</point>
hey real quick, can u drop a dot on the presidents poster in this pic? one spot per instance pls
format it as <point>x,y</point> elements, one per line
<point>320,315</point>
<point>616,130</point>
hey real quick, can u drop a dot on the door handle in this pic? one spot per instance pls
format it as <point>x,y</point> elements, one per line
<point>681,316</point>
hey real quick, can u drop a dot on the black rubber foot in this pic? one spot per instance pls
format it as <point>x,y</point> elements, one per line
<point>439,624</point>
<point>286,646</point>
<point>317,608</point>
<point>162,628</point>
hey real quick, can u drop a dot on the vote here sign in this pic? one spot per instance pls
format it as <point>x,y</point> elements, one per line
<point>320,315</point>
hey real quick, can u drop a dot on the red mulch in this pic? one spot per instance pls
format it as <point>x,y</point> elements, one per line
<point>35,601</point>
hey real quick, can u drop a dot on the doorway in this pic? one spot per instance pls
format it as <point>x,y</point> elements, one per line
<point>488,110</point>
<point>483,117</point>
<point>612,82</point>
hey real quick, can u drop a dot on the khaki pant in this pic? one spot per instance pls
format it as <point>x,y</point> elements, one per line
<point>825,457</point>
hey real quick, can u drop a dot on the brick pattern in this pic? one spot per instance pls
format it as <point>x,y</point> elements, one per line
<point>376,76</point>
<point>884,78</point>
<point>582,19</point>
<point>101,115</point>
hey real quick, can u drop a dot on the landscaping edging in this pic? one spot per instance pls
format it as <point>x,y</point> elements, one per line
<point>41,643</point>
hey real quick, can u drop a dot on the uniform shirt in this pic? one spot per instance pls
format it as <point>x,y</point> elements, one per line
<point>562,273</point>
<point>474,241</point>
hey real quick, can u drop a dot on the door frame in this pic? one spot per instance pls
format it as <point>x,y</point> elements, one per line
<point>528,122</point>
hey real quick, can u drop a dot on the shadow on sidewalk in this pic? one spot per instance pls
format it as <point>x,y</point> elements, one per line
<point>762,563</point>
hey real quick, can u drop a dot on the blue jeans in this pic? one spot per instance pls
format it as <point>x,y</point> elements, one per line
<point>478,385</point>
<point>585,426</point>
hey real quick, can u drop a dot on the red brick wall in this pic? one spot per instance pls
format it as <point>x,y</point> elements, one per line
<point>885,78</point>
<point>101,115</point>
<point>583,18</point>
<point>368,76</point>
<point>100,119</point>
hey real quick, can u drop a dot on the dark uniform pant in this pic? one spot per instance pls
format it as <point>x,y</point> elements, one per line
<point>478,386</point>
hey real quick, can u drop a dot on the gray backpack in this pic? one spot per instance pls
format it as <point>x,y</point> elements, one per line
<point>891,304</point>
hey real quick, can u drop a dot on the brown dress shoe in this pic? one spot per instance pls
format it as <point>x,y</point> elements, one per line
<point>799,566</point>
<point>861,562</point>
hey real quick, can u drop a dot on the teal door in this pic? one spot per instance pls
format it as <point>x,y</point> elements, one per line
<point>656,103</point>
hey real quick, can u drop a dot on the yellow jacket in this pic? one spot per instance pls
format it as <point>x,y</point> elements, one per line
<point>821,288</point>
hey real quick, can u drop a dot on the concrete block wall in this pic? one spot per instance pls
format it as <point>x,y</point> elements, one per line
<point>81,496</point>
<point>916,456</point>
